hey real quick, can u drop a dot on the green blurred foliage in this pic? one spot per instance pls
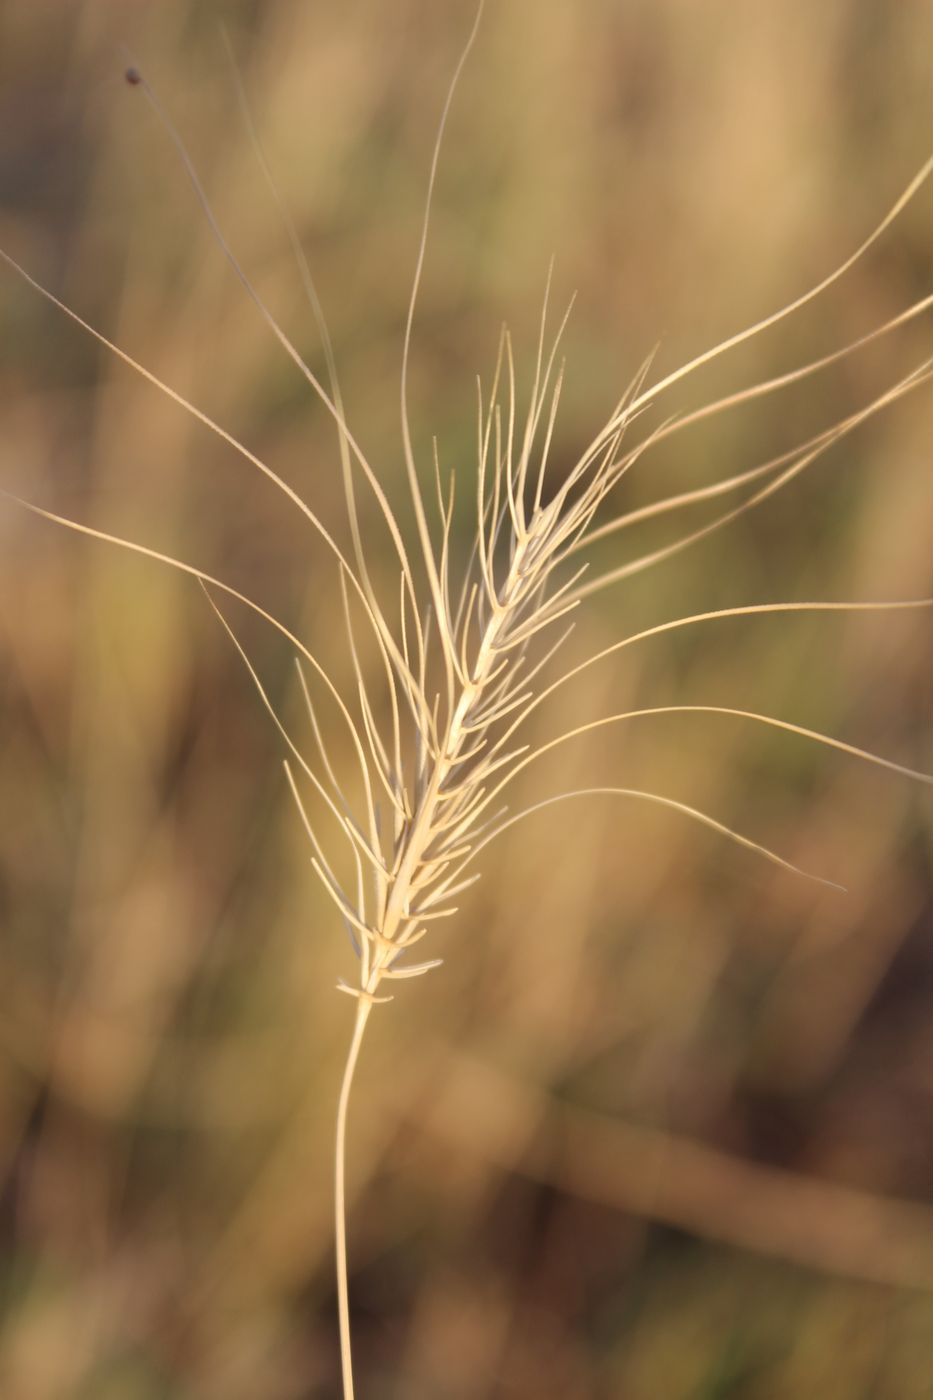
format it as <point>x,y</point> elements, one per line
<point>648,1130</point>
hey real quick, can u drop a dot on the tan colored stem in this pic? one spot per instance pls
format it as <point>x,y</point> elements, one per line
<point>340,1206</point>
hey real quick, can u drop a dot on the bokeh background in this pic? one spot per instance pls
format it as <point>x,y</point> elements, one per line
<point>662,1124</point>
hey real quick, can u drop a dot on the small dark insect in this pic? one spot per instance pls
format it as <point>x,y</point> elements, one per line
<point>133,77</point>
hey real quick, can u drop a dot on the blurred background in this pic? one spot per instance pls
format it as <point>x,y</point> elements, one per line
<point>661,1127</point>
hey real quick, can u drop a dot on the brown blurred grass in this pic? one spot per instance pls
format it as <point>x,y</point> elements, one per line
<point>171,1037</point>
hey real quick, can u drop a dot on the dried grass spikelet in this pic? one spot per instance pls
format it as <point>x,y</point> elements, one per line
<point>465,660</point>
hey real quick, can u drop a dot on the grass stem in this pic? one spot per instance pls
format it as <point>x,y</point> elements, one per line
<point>340,1205</point>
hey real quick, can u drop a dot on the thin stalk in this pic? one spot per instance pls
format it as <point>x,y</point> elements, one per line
<point>364,1006</point>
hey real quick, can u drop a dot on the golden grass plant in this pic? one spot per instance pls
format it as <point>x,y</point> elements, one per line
<point>468,647</point>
